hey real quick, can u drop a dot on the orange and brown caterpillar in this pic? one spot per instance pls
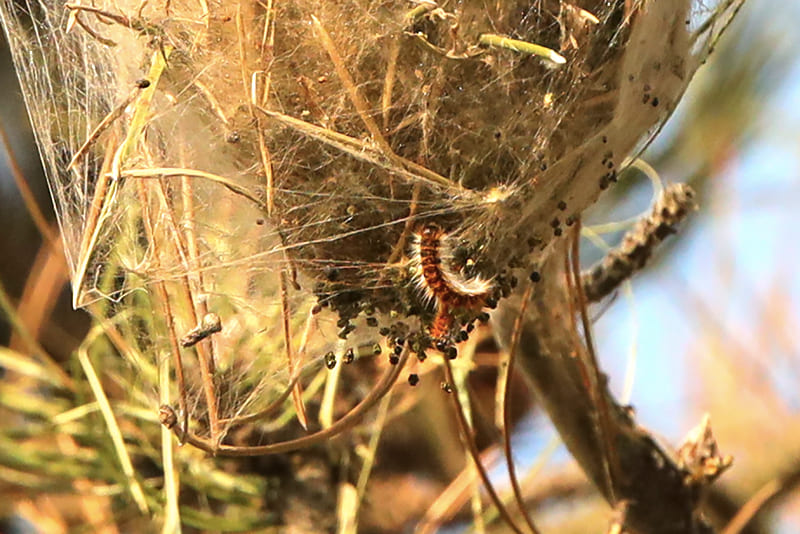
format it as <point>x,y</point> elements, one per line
<point>449,290</point>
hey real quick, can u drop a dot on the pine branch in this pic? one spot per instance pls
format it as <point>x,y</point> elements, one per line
<point>660,490</point>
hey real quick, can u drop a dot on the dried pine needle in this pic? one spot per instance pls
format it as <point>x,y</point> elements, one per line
<point>114,431</point>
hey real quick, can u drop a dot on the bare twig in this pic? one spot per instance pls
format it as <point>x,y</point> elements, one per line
<point>345,423</point>
<point>610,460</point>
<point>291,360</point>
<point>766,496</point>
<point>25,191</point>
<point>506,410</point>
<point>469,441</point>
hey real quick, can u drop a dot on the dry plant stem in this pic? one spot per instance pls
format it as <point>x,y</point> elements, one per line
<point>171,492</point>
<point>466,434</point>
<point>119,19</point>
<point>610,463</point>
<point>766,496</point>
<point>49,272</point>
<point>204,351</point>
<point>452,499</point>
<point>163,296</point>
<point>728,5</point>
<point>109,183</point>
<point>388,82</point>
<point>32,345</point>
<point>171,172</point>
<point>372,448</point>
<point>661,500</point>
<point>176,355</point>
<point>102,126</point>
<point>89,232</point>
<point>506,408</point>
<point>266,412</point>
<point>242,42</point>
<point>85,27</point>
<point>362,108</point>
<point>346,422</point>
<point>360,150</point>
<point>25,192</point>
<point>46,280</point>
<point>346,508</point>
<point>192,251</point>
<point>400,247</point>
<point>256,99</point>
<point>266,162</point>
<point>286,314</point>
<point>114,431</point>
<point>207,376</point>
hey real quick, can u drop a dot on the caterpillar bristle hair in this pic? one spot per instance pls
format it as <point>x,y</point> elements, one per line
<point>449,290</point>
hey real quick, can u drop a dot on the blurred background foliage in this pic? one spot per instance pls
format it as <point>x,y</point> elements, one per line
<point>711,327</point>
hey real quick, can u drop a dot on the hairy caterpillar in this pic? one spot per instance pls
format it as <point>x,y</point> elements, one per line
<point>449,290</point>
